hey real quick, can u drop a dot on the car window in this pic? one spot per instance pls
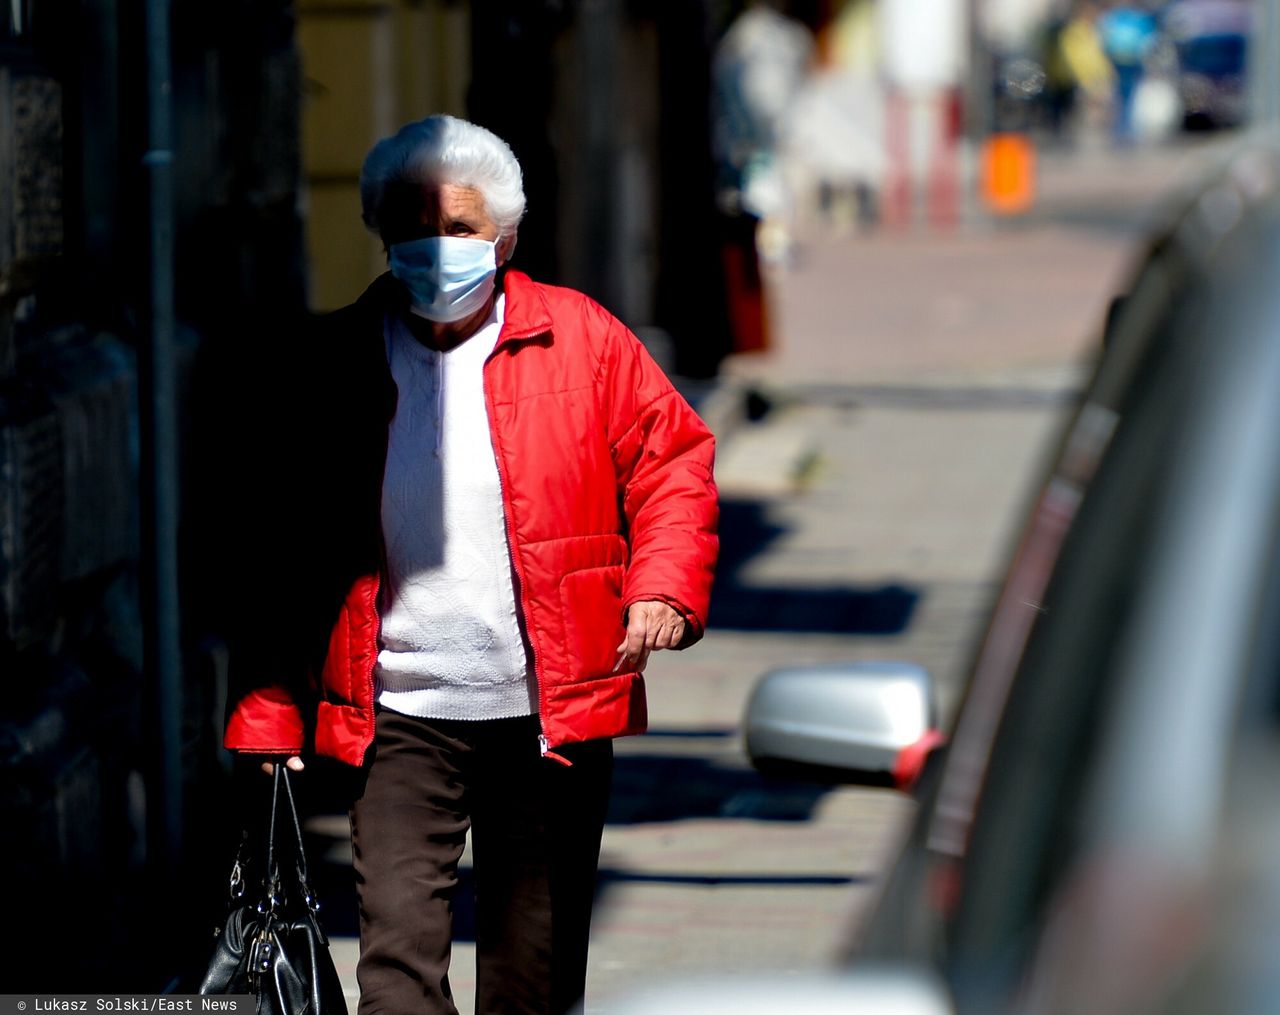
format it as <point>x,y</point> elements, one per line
<point>1025,832</point>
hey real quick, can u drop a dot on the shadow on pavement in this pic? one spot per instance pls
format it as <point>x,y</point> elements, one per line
<point>658,785</point>
<point>745,532</point>
<point>661,788</point>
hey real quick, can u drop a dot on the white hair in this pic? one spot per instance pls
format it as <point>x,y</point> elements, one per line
<point>444,149</point>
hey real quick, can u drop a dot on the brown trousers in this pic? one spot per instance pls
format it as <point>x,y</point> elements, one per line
<point>535,830</point>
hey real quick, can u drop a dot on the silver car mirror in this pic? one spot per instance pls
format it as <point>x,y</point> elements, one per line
<point>857,721</point>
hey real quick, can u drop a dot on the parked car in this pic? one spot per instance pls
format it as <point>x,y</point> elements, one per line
<point>1101,833</point>
<point>1210,38</point>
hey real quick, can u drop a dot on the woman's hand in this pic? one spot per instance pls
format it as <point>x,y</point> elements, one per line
<point>651,627</point>
<point>294,764</point>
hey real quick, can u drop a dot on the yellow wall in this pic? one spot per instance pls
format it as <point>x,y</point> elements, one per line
<point>368,66</point>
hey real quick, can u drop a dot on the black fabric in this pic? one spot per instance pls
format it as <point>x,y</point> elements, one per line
<point>536,827</point>
<point>306,503</point>
<point>272,945</point>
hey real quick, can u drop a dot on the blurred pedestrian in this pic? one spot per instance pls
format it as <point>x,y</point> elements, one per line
<point>758,68</point>
<point>1084,57</point>
<point>1128,34</point>
<point>1061,86</point>
<point>760,65</point>
<point>500,508</point>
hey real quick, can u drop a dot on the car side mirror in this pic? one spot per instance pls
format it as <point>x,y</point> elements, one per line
<point>859,722</point>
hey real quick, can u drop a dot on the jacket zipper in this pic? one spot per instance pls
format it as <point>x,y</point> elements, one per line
<point>544,745</point>
<point>373,666</point>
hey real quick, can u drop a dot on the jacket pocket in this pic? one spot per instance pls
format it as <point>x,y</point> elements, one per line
<point>591,600</point>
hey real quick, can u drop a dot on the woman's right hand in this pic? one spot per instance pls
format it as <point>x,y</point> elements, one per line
<point>294,764</point>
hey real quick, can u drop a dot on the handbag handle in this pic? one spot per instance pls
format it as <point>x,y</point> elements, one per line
<point>300,867</point>
<point>280,775</point>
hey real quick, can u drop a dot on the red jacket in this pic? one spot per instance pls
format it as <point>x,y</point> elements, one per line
<point>607,486</point>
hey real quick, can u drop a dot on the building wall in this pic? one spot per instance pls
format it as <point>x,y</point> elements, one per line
<point>77,726</point>
<point>67,500</point>
<point>604,103</point>
<point>368,66</point>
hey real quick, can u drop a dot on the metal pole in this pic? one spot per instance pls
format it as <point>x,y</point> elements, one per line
<point>158,416</point>
<point>978,116</point>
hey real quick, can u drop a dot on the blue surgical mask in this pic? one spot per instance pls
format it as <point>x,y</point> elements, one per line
<point>447,277</point>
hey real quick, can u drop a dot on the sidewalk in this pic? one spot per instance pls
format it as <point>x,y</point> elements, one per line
<point>916,383</point>
<point>994,304</point>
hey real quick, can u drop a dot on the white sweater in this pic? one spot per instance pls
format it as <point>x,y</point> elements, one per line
<point>452,646</point>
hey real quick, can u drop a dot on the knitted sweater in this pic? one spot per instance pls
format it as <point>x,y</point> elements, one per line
<point>452,645</point>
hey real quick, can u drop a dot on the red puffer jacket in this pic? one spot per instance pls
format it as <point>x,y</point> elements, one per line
<point>607,486</point>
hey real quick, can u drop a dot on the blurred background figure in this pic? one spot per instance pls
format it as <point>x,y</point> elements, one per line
<point>1083,58</point>
<point>760,65</point>
<point>1128,34</point>
<point>1079,79</point>
<point>757,68</point>
<point>834,151</point>
<point>833,143</point>
<point>924,62</point>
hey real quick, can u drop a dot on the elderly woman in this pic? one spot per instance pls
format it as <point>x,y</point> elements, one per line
<point>503,507</point>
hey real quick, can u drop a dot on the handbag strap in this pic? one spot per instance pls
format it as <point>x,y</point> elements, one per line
<point>300,868</point>
<point>297,825</point>
<point>271,876</point>
<point>280,776</point>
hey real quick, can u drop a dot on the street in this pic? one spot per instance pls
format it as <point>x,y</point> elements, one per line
<point>915,382</point>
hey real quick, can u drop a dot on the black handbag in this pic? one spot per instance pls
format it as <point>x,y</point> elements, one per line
<point>271,945</point>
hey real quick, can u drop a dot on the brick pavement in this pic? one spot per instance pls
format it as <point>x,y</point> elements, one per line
<point>918,381</point>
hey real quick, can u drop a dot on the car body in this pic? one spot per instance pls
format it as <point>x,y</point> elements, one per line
<point>1100,833</point>
<point>1080,847</point>
<point>1210,38</point>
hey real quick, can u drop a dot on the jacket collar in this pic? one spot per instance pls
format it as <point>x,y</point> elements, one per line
<point>526,314</point>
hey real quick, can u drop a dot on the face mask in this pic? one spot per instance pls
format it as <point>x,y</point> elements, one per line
<point>448,277</point>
